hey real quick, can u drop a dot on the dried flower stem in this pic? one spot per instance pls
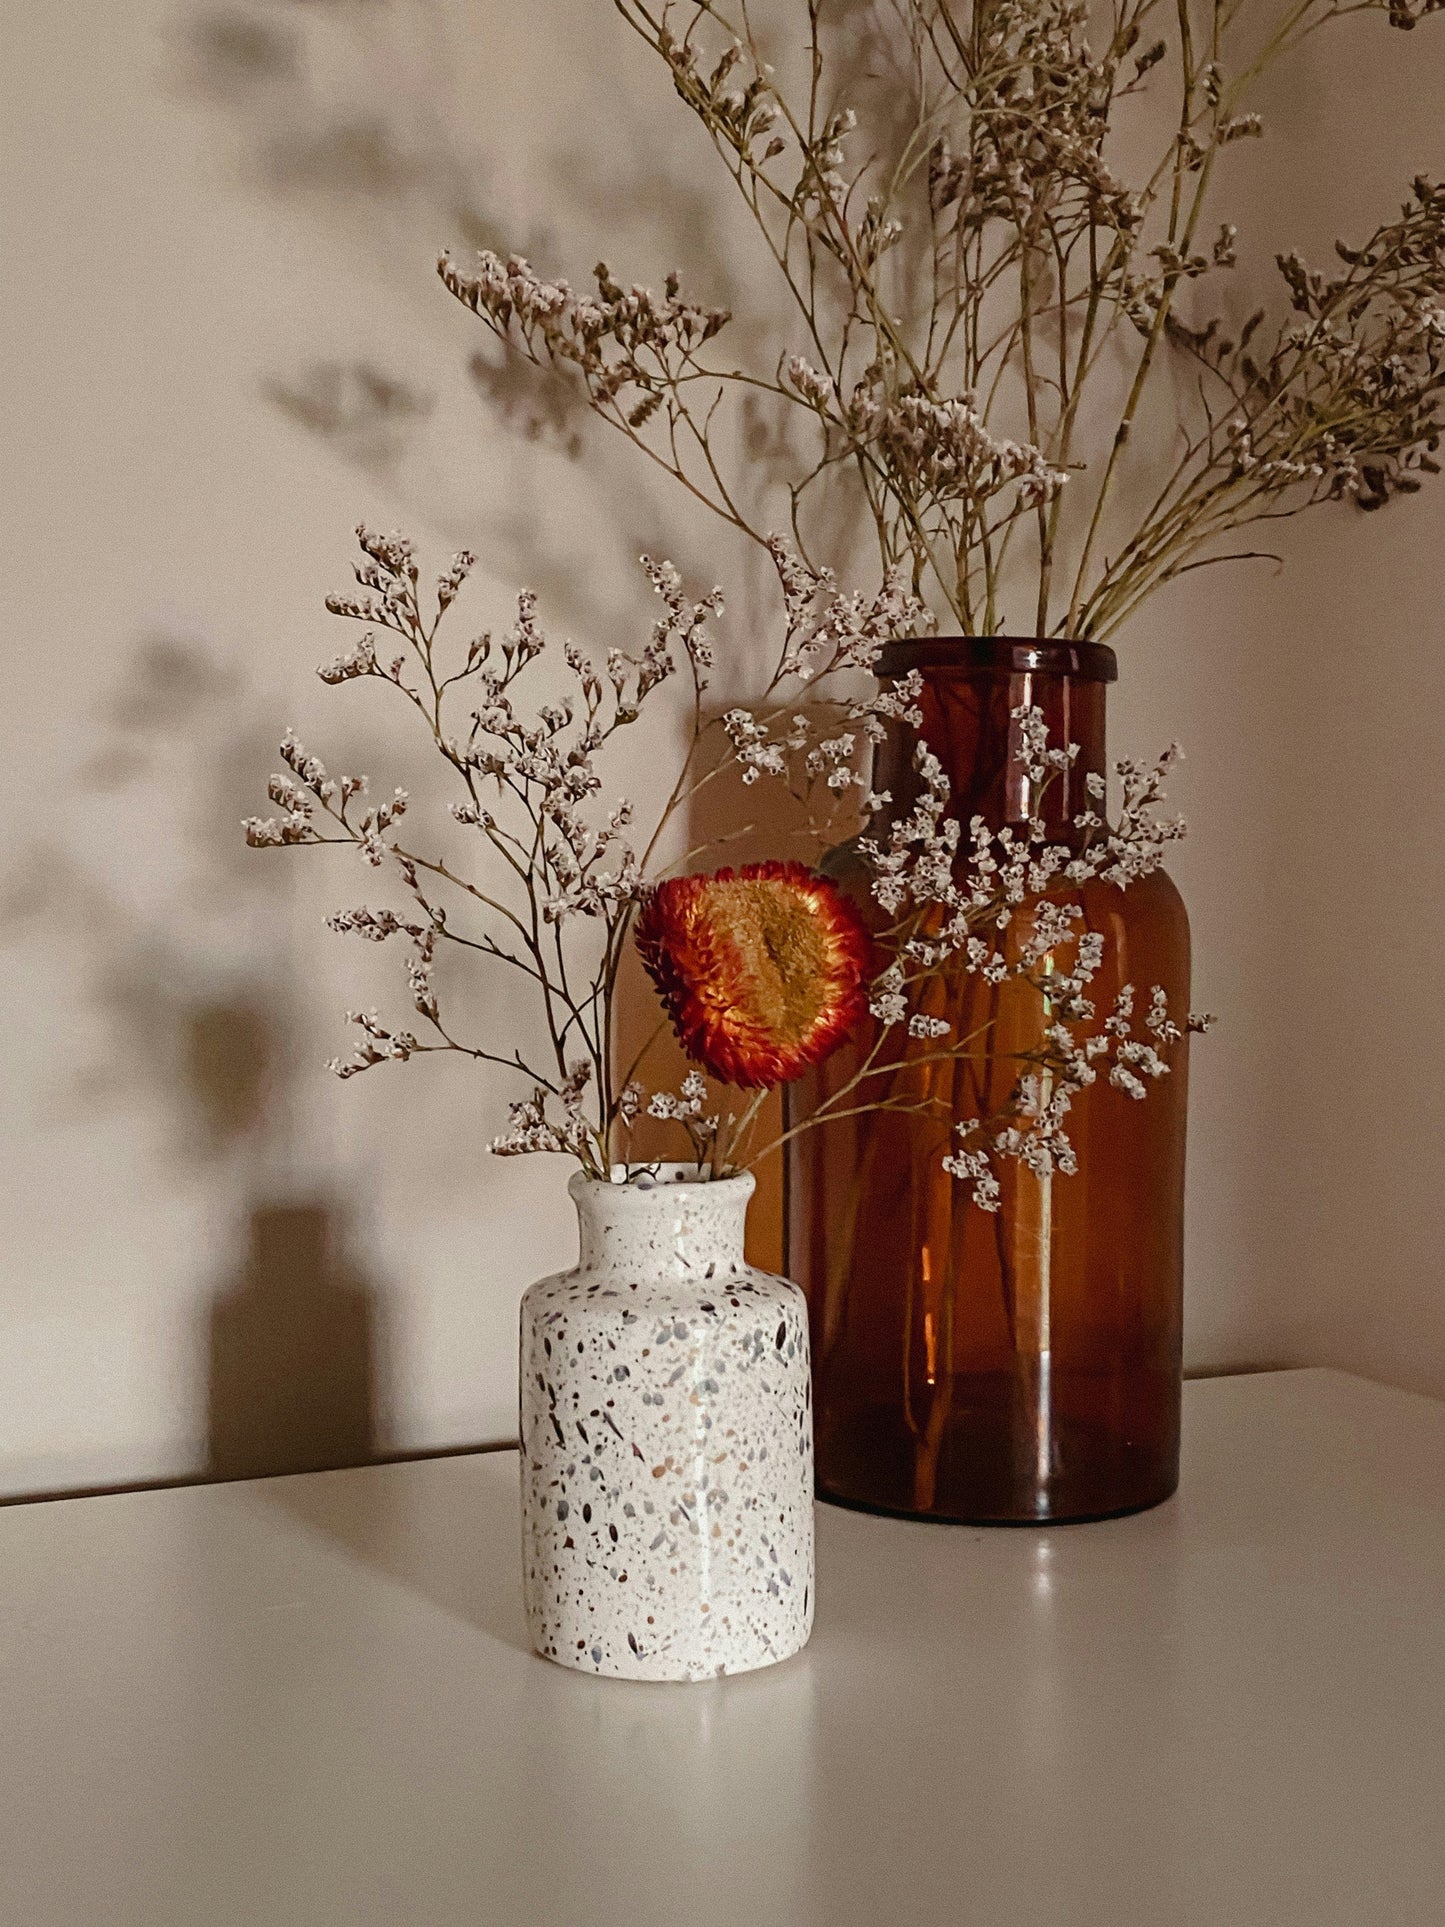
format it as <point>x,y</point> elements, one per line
<point>974,282</point>
<point>951,899</point>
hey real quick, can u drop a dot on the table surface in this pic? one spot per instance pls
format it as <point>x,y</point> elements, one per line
<point>308,1702</point>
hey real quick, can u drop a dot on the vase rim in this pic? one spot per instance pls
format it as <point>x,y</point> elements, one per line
<point>1008,655</point>
<point>634,1186</point>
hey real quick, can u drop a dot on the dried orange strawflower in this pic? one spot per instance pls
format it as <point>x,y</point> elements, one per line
<point>762,970</point>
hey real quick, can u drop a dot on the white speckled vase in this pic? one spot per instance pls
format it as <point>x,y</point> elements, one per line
<point>667,1441</point>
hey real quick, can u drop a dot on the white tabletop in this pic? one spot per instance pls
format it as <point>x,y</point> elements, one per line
<point>308,1702</point>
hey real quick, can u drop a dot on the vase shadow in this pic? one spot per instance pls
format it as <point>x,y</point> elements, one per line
<point>297,1343</point>
<point>292,1343</point>
<point>429,1525</point>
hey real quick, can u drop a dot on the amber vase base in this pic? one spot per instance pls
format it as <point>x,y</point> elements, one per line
<point>988,1472</point>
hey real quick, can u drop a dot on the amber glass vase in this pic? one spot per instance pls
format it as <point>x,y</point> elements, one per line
<point>1022,1364</point>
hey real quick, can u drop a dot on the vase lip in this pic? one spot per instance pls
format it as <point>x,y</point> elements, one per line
<point>634,1187</point>
<point>1009,655</point>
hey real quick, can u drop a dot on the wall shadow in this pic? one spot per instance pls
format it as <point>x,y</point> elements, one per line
<point>355,117</point>
<point>445,1528</point>
<point>193,1044</point>
<point>206,1056</point>
<point>293,1347</point>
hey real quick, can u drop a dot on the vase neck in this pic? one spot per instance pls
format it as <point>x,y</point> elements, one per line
<point>972,687</point>
<point>663,1226</point>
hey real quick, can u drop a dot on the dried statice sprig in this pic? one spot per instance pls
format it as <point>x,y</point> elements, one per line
<point>551,1120</point>
<point>957,902</point>
<point>990,286</point>
<point>951,899</point>
<point>534,788</point>
<point>818,721</point>
<point>1343,398</point>
<point>688,1108</point>
<point>529,779</point>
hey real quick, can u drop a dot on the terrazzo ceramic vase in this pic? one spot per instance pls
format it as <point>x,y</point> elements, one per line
<point>667,1440</point>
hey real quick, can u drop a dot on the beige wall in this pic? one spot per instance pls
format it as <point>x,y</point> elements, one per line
<point>213,1255</point>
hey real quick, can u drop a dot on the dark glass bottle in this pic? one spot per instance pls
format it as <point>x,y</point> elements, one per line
<point>1023,1364</point>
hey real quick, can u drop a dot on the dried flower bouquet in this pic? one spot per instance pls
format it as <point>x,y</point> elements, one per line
<point>991,291</point>
<point>762,971</point>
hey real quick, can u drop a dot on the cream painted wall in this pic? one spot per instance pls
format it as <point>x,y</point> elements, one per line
<point>215,1256</point>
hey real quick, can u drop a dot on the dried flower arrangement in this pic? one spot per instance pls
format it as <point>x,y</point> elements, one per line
<point>988,292</point>
<point>762,971</point>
